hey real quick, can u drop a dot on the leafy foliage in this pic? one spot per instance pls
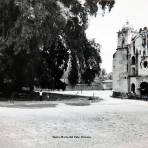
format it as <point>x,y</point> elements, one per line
<point>92,60</point>
<point>38,37</point>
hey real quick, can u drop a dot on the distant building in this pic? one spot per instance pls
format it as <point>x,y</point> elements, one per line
<point>107,84</point>
<point>130,63</point>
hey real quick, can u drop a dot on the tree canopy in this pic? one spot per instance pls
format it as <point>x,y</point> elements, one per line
<point>39,38</point>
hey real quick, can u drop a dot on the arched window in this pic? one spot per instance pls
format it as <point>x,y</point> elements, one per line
<point>144,42</point>
<point>144,53</point>
<point>133,87</point>
<point>134,47</point>
<point>123,42</point>
<point>133,62</point>
<point>140,52</point>
<point>133,71</point>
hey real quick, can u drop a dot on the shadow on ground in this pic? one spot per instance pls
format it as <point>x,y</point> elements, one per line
<point>68,100</point>
<point>28,105</point>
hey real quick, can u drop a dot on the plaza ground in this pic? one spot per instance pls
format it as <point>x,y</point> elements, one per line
<point>107,123</point>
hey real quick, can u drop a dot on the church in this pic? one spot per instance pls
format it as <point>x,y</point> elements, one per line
<point>130,63</point>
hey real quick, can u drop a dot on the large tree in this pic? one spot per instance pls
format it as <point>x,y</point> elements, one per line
<point>38,38</point>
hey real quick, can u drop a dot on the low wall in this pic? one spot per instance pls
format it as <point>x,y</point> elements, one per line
<point>120,95</point>
<point>85,87</point>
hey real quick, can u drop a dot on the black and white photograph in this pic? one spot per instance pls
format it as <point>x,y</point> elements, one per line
<point>73,74</point>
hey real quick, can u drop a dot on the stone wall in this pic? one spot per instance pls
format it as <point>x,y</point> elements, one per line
<point>120,81</point>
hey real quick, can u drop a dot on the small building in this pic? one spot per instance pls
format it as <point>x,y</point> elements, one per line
<point>107,84</point>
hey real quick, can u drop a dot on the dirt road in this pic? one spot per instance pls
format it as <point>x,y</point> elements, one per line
<point>111,123</point>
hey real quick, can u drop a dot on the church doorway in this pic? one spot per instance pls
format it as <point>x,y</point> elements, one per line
<point>133,87</point>
<point>133,60</point>
<point>144,89</point>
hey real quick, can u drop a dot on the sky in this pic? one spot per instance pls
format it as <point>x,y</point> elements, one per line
<point>104,28</point>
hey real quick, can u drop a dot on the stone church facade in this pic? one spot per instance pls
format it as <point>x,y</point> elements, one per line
<point>130,63</point>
